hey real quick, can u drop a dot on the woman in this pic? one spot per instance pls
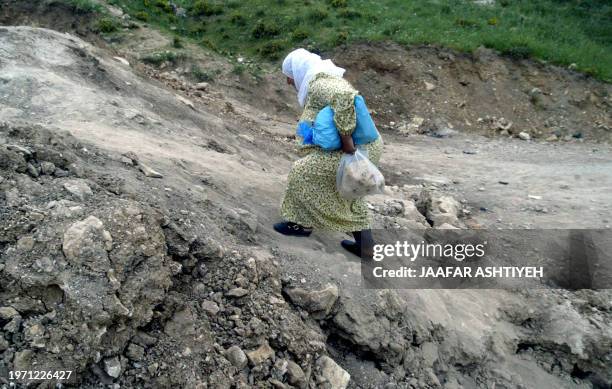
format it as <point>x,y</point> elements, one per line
<point>311,199</point>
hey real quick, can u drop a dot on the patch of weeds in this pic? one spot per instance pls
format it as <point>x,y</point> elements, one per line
<point>177,42</point>
<point>391,30</point>
<point>238,19</point>
<point>466,23</point>
<point>349,13</point>
<point>339,3</point>
<point>492,22</point>
<point>317,14</point>
<point>107,25</point>
<point>518,52</point>
<point>271,49</point>
<point>201,75</point>
<point>161,57</point>
<point>164,5</point>
<point>207,42</point>
<point>341,38</point>
<point>239,69</point>
<point>265,30</point>
<point>83,6</point>
<point>206,8</point>
<point>142,15</point>
<point>299,34</point>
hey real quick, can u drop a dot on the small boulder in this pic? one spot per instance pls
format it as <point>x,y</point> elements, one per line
<point>330,372</point>
<point>524,135</point>
<point>112,367</point>
<point>148,171</point>
<point>78,189</point>
<point>319,303</point>
<point>236,356</point>
<point>237,292</point>
<point>295,374</point>
<point>260,355</point>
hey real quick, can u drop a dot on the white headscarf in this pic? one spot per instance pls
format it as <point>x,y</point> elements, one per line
<point>302,66</point>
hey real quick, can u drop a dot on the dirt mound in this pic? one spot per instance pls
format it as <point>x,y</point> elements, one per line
<point>439,91</point>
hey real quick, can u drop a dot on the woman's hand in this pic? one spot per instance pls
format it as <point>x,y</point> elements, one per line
<point>347,144</point>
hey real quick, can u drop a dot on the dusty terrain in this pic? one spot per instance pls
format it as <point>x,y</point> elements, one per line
<point>136,243</point>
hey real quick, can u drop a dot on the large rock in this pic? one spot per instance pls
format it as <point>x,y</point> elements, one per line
<point>318,302</point>
<point>332,374</point>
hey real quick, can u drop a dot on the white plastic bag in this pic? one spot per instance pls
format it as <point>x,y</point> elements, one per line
<point>357,176</point>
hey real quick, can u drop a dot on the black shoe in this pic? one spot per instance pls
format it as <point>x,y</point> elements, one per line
<point>351,247</point>
<point>292,229</point>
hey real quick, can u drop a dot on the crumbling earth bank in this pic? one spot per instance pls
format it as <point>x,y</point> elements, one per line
<point>111,288</point>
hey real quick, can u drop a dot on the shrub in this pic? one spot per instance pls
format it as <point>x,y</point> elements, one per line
<point>107,25</point>
<point>265,30</point>
<point>492,22</point>
<point>206,8</point>
<point>142,15</point>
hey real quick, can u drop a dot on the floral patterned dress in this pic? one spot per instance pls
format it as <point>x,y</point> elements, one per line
<point>311,198</point>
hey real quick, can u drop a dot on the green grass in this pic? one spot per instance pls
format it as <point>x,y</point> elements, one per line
<point>559,31</point>
<point>81,6</point>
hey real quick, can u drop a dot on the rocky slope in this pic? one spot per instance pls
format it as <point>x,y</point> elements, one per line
<point>135,246</point>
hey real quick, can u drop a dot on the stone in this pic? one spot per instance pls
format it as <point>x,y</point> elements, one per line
<point>185,101</point>
<point>237,357</point>
<point>122,60</point>
<point>237,292</point>
<point>33,170</point>
<point>112,367</point>
<point>7,313</point>
<point>295,374</point>
<point>47,168</point>
<point>201,86</point>
<point>26,243</point>
<point>524,135</point>
<point>332,373</point>
<point>319,303</point>
<point>148,171</point>
<point>260,355</point>
<point>210,307</point>
<point>84,241</point>
<point>79,189</point>
<point>27,153</point>
<point>4,344</point>
<point>135,352</point>
<point>439,208</point>
<point>429,86</point>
